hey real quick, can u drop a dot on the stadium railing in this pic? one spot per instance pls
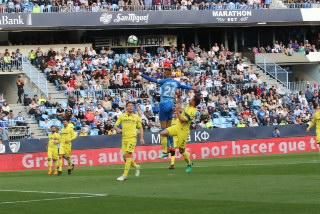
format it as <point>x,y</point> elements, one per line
<point>91,93</point>
<point>11,123</point>
<point>302,5</point>
<point>36,77</point>
<point>275,71</point>
<point>302,86</point>
<point>13,65</point>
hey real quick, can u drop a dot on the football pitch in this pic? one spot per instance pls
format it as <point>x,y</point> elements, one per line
<point>274,184</point>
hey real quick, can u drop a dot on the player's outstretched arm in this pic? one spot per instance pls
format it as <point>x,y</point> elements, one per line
<point>150,78</point>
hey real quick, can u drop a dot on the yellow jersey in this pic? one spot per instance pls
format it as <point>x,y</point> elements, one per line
<point>68,134</point>
<point>54,140</point>
<point>130,125</point>
<point>189,114</point>
<point>315,122</point>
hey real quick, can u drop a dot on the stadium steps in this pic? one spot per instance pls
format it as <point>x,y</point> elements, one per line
<point>270,81</point>
<point>32,88</point>
<point>31,122</point>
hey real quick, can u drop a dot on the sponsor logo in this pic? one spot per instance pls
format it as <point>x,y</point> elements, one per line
<point>14,146</point>
<point>105,18</point>
<point>194,137</point>
<point>131,17</point>
<point>5,20</point>
<point>2,148</point>
<point>232,15</point>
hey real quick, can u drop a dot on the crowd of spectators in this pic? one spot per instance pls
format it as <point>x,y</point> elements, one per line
<point>288,49</point>
<point>11,6</point>
<point>126,5</point>
<point>98,84</point>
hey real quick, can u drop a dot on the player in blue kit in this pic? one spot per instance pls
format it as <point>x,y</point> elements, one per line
<point>168,90</point>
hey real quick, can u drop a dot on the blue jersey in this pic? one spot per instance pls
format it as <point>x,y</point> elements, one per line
<point>168,87</point>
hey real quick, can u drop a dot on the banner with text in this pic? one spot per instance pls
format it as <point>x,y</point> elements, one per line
<point>147,19</point>
<point>112,156</point>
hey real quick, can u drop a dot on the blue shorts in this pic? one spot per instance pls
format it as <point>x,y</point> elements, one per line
<point>166,110</point>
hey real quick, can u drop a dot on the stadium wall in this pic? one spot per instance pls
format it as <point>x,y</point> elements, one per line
<point>8,87</point>
<point>307,72</point>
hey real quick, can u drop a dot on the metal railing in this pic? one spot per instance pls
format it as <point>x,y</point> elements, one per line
<point>10,123</point>
<point>302,5</point>
<point>275,71</point>
<point>302,86</point>
<point>98,94</point>
<point>35,77</point>
<point>10,66</point>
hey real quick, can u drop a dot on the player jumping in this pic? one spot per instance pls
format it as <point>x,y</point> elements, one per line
<point>130,124</point>
<point>168,89</point>
<point>182,129</point>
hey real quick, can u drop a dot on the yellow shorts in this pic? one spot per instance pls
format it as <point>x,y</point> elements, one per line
<point>53,153</point>
<point>181,134</point>
<point>128,145</point>
<point>65,149</point>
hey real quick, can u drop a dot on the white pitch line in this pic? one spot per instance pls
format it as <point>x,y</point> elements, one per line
<point>57,193</point>
<point>48,199</point>
<point>233,165</point>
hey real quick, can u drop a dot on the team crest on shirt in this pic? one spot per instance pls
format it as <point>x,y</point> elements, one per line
<point>14,146</point>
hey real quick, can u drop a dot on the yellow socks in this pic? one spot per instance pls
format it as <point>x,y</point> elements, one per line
<point>186,156</point>
<point>60,163</point>
<point>56,165</point>
<point>164,143</point>
<point>50,165</point>
<point>127,167</point>
<point>133,164</point>
<point>173,160</point>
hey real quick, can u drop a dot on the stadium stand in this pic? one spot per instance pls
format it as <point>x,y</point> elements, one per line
<point>13,125</point>
<point>135,5</point>
<point>235,93</point>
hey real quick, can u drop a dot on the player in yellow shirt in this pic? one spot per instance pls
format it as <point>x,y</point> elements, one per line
<point>172,144</point>
<point>53,150</point>
<point>130,124</point>
<point>67,136</point>
<point>315,122</point>
<point>182,128</point>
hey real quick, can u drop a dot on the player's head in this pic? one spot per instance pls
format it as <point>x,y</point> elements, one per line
<point>65,123</point>
<point>167,73</point>
<point>53,129</point>
<point>195,101</point>
<point>130,107</point>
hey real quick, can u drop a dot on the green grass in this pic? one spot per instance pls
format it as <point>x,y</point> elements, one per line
<point>276,184</point>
